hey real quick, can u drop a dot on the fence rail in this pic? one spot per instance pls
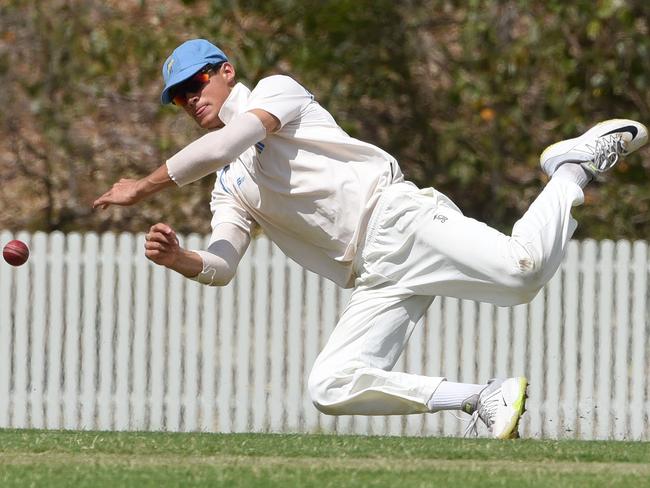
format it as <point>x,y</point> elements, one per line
<point>93,336</point>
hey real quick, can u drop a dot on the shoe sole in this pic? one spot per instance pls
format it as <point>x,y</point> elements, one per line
<point>518,409</point>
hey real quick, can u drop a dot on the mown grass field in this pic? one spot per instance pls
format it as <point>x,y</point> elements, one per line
<point>110,459</point>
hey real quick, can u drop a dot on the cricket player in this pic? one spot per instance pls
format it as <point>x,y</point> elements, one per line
<point>341,208</point>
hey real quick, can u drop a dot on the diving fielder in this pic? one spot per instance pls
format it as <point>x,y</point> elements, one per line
<point>341,208</point>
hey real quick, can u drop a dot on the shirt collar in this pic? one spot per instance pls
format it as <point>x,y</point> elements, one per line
<point>235,103</point>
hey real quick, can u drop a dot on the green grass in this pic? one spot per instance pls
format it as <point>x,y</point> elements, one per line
<point>112,459</point>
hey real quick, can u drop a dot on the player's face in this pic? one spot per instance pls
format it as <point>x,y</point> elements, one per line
<point>204,102</point>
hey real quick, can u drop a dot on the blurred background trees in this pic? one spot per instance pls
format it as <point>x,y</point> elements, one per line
<point>465,94</point>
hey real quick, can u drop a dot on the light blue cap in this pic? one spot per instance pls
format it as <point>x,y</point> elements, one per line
<point>186,60</point>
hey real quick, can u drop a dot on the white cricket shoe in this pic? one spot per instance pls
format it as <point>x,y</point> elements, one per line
<point>598,149</point>
<point>500,405</point>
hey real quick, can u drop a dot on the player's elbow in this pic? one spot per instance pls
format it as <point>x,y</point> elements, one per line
<point>217,271</point>
<point>218,276</point>
<point>222,279</point>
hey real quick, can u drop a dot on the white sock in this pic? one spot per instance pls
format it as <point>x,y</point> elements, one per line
<point>573,172</point>
<point>450,395</point>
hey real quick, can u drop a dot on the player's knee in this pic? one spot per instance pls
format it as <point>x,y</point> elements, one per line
<point>323,392</point>
<point>526,282</point>
<point>525,279</point>
<point>318,392</point>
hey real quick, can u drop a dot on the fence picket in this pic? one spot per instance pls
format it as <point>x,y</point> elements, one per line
<point>141,326</point>
<point>242,361</point>
<point>21,346</point>
<point>277,353</point>
<point>227,356</point>
<point>173,364</point>
<point>38,330</point>
<point>537,346</point>
<point>105,398</point>
<point>55,331</point>
<point>295,361</point>
<point>216,343</point>
<point>6,336</point>
<point>570,339</point>
<point>157,348</point>
<point>553,366</point>
<point>311,346</point>
<point>586,400</point>
<point>639,369</point>
<point>328,321</point>
<point>124,312</point>
<point>89,334</point>
<point>190,343</point>
<point>604,314</point>
<point>520,350</point>
<point>621,344</point>
<point>71,339</point>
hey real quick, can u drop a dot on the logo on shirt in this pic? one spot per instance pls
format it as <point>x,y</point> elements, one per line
<point>259,147</point>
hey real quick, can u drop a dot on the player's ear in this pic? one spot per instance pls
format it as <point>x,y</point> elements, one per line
<point>227,70</point>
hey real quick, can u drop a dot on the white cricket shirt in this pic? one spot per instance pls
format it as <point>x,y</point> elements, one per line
<point>310,186</point>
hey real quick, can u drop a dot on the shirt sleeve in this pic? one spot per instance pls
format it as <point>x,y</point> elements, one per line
<point>281,96</point>
<point>215,149</point>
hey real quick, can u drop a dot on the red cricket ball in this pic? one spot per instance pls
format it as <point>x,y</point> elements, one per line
<point>15,252</point>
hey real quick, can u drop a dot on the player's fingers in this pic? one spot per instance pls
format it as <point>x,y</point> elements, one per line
<point>153,255</point>
<point>158,257</point>
<point>158,239</point>
<point>156,246</point>
<point>161,237</point>
<point>160,227</point>
<point>101,202</point>
<point>166,231</point>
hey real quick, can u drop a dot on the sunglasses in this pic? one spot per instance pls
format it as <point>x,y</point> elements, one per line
<point>192,85</point>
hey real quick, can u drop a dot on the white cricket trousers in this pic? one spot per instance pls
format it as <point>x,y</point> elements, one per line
<point>419,245</point>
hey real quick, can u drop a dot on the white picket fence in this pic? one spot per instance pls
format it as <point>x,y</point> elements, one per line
<point>93,336</point>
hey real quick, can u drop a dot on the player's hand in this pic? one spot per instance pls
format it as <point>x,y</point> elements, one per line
<point>161,245</point>
<point>125,192</point>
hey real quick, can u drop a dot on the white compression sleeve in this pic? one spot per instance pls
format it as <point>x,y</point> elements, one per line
<point>221,259</point>
<point>216,149</point>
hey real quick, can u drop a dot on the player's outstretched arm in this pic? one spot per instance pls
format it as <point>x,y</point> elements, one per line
<point>129,191</point>
<point>200,158</point>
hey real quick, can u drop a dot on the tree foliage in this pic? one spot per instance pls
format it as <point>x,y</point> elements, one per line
<point>465,94</point>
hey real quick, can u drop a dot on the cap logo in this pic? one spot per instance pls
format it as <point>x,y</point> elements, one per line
<point>170,64</point>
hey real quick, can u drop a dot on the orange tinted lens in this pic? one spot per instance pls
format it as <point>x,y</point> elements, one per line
<point>180,100</point>
<point>194,84</point>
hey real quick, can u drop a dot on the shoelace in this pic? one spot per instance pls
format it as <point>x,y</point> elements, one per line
<point>607,152</point>
<point>472,429</point>
<point>485,410</point>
